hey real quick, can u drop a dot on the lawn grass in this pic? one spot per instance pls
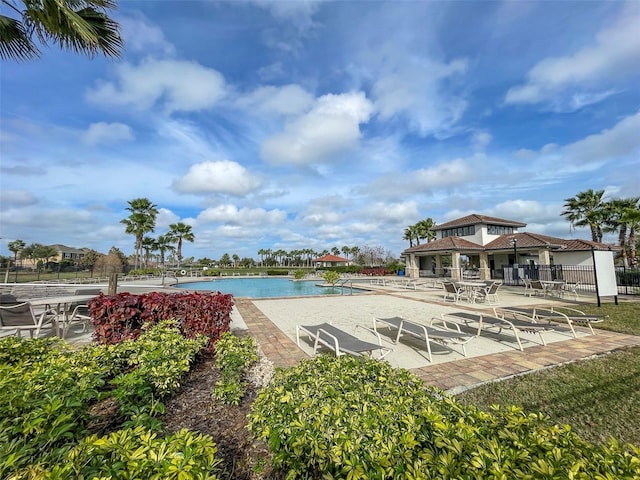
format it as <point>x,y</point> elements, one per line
<point>599,398</point>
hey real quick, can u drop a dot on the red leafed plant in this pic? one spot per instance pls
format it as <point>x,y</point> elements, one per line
<point>122,316</point>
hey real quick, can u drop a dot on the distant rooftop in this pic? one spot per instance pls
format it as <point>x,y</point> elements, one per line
<point>475,219</point>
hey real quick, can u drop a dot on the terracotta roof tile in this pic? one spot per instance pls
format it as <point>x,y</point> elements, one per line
<point>330,258</point>
<point>475,219</point>
<point>448,243</point>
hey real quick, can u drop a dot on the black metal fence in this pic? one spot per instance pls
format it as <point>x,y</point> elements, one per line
<point>628,280</point>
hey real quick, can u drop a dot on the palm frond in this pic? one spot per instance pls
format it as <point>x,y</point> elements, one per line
<point>15,41</point>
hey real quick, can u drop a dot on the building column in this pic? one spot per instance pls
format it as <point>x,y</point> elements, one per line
<point>411,268</point>
<point>455,266</point>
<point>544,257</point>
<point>485,274</point>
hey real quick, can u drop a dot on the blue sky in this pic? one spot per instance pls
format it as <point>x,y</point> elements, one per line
<point>311,124</point>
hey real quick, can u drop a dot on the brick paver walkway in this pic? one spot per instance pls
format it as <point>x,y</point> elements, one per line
<point>455,375</point>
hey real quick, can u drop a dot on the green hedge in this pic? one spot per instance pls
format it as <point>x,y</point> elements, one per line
<point>361,419</point>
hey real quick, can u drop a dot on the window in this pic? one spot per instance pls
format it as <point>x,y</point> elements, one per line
<point>459,232</point>
<point>499,230</point>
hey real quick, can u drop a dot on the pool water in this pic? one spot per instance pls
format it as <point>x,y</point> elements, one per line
<point>267,287</point>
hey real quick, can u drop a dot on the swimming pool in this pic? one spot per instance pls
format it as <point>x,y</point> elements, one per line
<point>267,287</point>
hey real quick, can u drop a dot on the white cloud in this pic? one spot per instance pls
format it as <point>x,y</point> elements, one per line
<point>285,100</point>
<point>481,139</point>
<point>16,198</point>
<point>102,132</point>
<point>412,88</point>
<point>178,85</point>
<point>331,127</point>
<point>140,35</point>
<point>300,12</point>
<point>230,214</point>
<point>223,176</point>
<point>615,54</point>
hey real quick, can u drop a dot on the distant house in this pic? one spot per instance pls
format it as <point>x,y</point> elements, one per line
<point>489,244</point>
<point>330,261</point>
<point>67,253</point>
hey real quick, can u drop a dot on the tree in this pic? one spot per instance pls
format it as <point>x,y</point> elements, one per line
<point>236,259</point>
<point>149,245</point>
<point>615,214</point>
<point>225,260</point>
<point>39,254</point>
<point>89,260</point>
<point>180,232</point>
<point>410,234</point>
<point>81,26</point>
<point>425,230</point>
<point>141,221</point>
<point>632,218</point>
<point>164,245</point>
<point>586,209</point>
<point>16,247</point>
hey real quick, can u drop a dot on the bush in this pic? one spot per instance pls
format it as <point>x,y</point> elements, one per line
<point>299,274</point>
<point>330,277</point>
<point>141,453</point>
<point>361,419</point>
<point>121,317</point>
<point>233,356</point>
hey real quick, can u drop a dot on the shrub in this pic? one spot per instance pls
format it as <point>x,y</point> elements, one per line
<point>299,274</point>
<point>233,356</point>
<point>141,453</point>
<point>121,317</point>
<point>330,277</point>
<point>361,419</point>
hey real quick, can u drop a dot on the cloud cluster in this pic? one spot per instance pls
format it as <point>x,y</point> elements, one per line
<point>224,176</point>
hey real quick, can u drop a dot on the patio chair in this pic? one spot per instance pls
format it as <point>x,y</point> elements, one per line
<point>80,311</point>
<point>537,287</point>
<point>341,342</point>
<point>489,294</point>
<point>528,291</point>
<point>448,333</point>
<point>496,322</point>
<point>572,289</point>
<point>21,316</point>
<point>451,291</point>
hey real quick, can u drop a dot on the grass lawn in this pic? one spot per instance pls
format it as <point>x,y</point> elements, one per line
<point>599,398</point>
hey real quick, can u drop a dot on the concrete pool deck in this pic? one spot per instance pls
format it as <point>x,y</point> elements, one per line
<point>490,357</point>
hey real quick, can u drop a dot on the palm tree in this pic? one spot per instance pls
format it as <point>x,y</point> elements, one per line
<point>425,230</point>
<point>16,247</point>
<point>586,209</point>
<point>236,259</point>
<point>632,218</point>
<point>149,245</point>
<point>180,232</point>
<point>615,214</point>
<point>141,221</point>
<point>81,26</point>
<point>411,233</point>
<point>165,244</point>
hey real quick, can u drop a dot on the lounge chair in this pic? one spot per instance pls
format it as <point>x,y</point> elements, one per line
<point>538,315</point>
<point>572,288</point>
<point>451,291</point>
<point>448,333</point>
<point>566,314</point>
<point>79,311</point>
<point>496,322</point>
<point>341,342</point>
<point>21,316</point>
<point>537,287</point>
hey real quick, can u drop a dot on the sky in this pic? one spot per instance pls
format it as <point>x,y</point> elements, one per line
<point>312,124</point>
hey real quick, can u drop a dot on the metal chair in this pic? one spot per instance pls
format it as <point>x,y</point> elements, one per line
<point>21,316</point>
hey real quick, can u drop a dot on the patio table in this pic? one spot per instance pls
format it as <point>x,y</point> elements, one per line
<point>62,304</point>
<point>471,288</point>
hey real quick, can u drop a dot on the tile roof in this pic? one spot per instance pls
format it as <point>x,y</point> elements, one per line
<point>448,243</point>
<point>525,240</point>
<point>475,219</point>
<point>330,258</point>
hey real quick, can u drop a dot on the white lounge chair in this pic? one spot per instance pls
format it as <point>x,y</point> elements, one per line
<point>341,342</point>
<point>447,333</point>
<point>497,322</point>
